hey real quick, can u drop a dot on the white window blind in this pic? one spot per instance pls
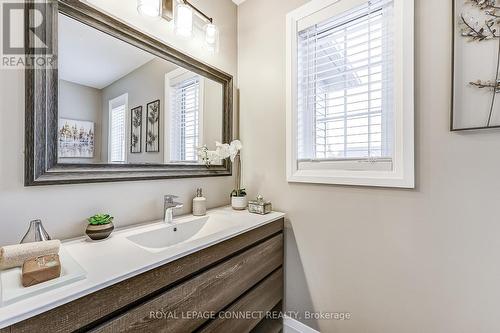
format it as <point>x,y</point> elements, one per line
<point>345,88</point>
<point>117,134</point>
<point>185,109</point>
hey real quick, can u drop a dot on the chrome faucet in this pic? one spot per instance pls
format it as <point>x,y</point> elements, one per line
<point>168,207</point>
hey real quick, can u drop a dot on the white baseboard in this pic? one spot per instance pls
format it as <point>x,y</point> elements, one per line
<point>291,325</point>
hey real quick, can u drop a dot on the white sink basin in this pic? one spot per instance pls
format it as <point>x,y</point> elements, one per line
<point>166,236</point>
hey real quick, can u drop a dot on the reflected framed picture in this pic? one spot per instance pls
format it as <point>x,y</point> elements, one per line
<point>153,127</point>
<point>76,138</point>
<point>136,130</point>
<point>476,60</point>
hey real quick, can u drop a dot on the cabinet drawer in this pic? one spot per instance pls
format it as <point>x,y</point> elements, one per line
<point>209,292</point>
<point>260,299</point>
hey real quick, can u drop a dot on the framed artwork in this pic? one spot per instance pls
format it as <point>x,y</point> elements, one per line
<point>476,60</point>
<point>76,138</point>
<point>136,130</point>
<point>153,127</point>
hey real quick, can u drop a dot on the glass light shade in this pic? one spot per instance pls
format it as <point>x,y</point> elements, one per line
<point>148,7</point>
<point>211,38</point>
<point>183,20</point>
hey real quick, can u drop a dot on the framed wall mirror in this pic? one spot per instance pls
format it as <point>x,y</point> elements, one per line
<point>116,104</point>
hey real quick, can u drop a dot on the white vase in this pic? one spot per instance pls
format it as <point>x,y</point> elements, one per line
<point>239,203</point>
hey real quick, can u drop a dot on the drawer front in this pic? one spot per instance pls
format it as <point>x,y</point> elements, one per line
<point>260,299</point>
<point>271,324</point>
<point>78,315</point>
<point>208,292</point>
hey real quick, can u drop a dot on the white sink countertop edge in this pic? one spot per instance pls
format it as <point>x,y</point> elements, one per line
<point>128,261</point>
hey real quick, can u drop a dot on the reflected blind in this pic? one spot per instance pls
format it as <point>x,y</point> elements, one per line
<point>185,107</point>
<point>117,135</point>
<point>345,86</point>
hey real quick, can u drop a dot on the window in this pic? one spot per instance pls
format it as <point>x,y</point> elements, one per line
<point>186,102</point>
<point>117,116</point>
<point>350,93</point>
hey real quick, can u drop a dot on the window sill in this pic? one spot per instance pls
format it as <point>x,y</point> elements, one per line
<point>353,178</point>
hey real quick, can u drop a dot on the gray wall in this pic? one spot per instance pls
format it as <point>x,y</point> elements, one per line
<point>412,261</point>
<point>64,208</point>
<point>81,103</point>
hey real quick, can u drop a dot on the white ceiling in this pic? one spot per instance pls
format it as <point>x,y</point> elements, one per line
<point>92,58</point>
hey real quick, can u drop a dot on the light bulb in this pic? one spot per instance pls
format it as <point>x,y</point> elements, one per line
<point>148,7</point>
<point>211,38</point>
<point>183,20</point>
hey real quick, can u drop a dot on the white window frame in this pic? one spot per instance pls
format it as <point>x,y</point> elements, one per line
<point>120,100</point>
<point>172,78</point>
<point>402,171</point>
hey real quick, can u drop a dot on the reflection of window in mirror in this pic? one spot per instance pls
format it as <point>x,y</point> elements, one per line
<point>117,126</point>
<point>185,92</point>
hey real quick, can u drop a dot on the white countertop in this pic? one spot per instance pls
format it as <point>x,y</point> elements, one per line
<point>117,259</point>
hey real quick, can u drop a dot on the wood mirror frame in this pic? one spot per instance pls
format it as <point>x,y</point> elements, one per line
<point>41,114</point>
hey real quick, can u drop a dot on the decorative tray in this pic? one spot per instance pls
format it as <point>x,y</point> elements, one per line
<point>11,289</point>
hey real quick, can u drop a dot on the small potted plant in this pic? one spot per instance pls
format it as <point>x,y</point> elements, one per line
<point>100,226</point>
<point>239,199</point>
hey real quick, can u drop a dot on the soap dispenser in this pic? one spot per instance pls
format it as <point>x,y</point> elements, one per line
<point>199,204</point>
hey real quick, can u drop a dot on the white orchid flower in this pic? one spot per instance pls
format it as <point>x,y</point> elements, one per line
<point>202,152</point>
<point>213,157</point>
<point>221,152</point>
<point>222,149</point>
<point>237,144</point>
<point>234,148</point>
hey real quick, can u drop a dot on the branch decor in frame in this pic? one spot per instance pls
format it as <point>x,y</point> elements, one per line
<point>476,65</point>
<point>153,127</point>
<point>136,130</point>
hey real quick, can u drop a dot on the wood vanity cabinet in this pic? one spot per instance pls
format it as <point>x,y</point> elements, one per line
<point>244,273</point>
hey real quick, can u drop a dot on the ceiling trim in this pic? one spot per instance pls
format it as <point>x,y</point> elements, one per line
<point>238,2</point>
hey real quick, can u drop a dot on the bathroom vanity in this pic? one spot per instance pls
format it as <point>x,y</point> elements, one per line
<point>198,274</point>
<point>116,104</point>
<point>195,274</point>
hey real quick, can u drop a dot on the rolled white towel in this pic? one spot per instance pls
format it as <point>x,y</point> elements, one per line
<point>16,255</point>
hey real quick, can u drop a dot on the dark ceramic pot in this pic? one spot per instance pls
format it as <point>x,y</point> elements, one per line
<point>99,232</point>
